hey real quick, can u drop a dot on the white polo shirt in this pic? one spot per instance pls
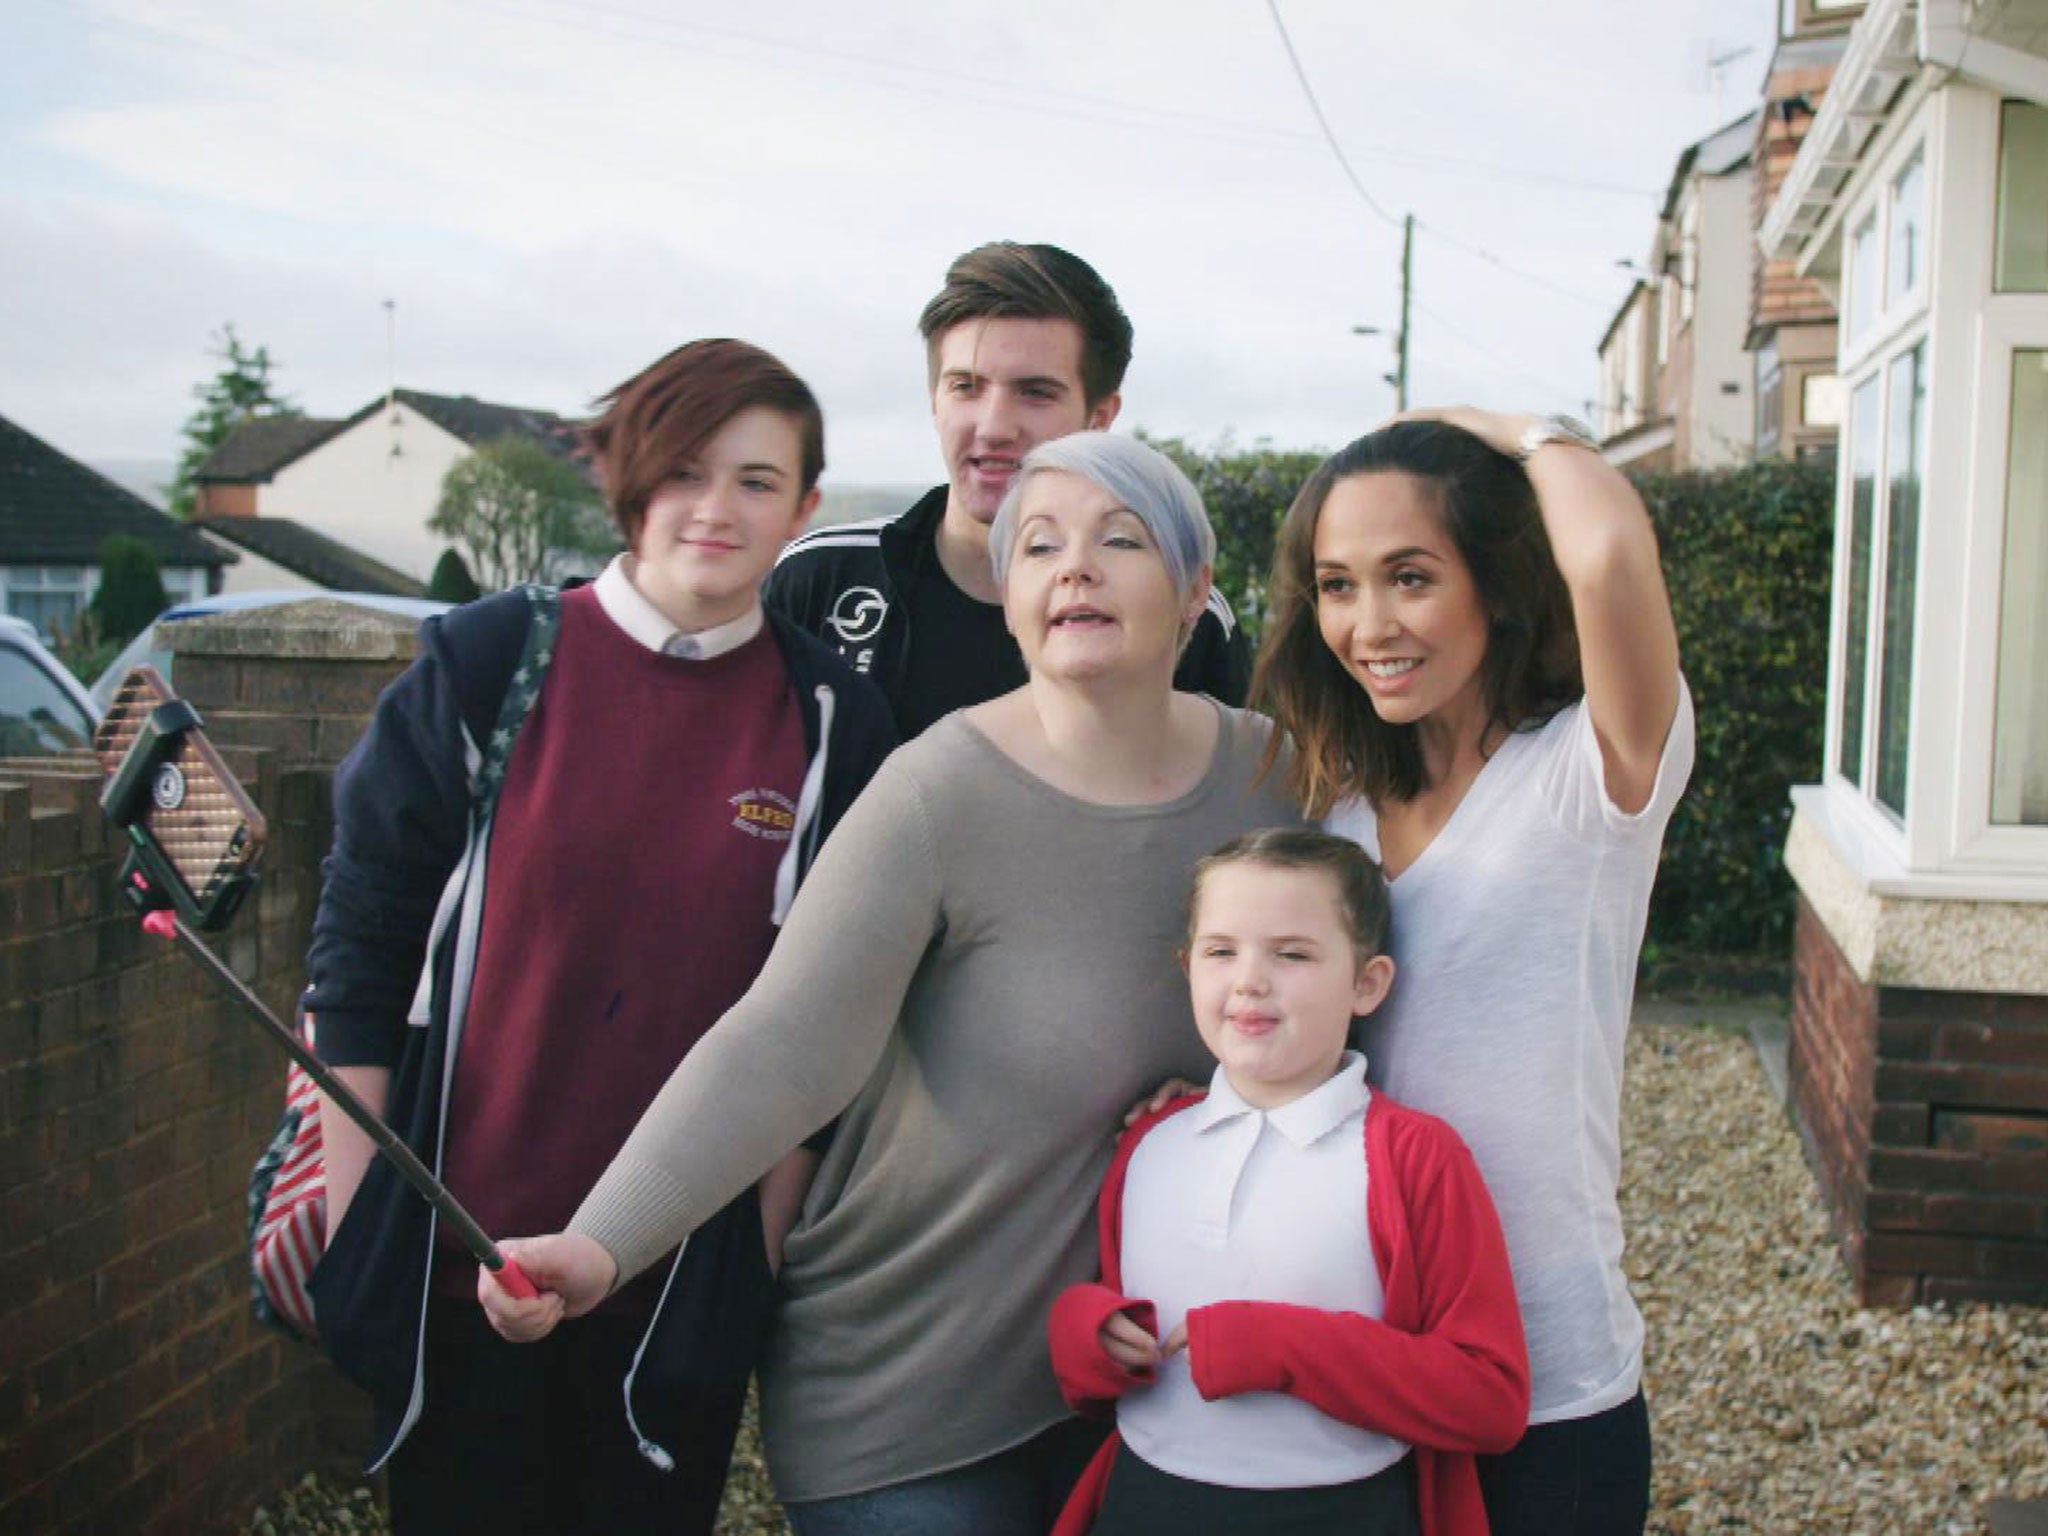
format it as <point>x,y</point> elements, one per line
<point>1224,1202</point>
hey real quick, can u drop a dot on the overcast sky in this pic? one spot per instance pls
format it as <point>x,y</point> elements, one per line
<point>554,193</point>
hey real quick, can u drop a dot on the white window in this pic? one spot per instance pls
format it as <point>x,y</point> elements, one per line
<point>1864,419</point>
<point>1879,579</point>
<point>1633,407</point>
<point>1906,262</point>
<point>2021,265</point>
<point>1770,397</point>
<point>51,597</point>
<point>1820,400</point>
<point>1688,258</point>
<point>1863,263</point>
<point>1906,414</point>
<point>184,584</point>
<point>2019,753</point>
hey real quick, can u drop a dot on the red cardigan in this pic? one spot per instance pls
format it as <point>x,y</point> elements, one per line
<point>1446,1370</point>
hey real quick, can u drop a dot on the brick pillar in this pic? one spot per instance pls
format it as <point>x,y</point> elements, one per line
<point>1918,1075</point>
<point>137,1394</point>
<point>300,679</point>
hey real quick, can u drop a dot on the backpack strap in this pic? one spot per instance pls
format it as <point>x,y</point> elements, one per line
<point>544,623</point>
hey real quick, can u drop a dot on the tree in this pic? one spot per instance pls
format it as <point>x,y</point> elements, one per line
<point>131,590</point>
<point>521,514</point>
<point>1246,492</point>
<point>241,391</point>
<point>451,581</point>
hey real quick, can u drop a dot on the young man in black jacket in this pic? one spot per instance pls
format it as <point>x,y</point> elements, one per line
<point>1024,343</point>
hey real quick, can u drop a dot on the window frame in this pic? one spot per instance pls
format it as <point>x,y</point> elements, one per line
<point>1880,328</point>
<point>45,581</point>
<point>1948,847</point>
<point>1891,328</point>
<point>2010,323</point>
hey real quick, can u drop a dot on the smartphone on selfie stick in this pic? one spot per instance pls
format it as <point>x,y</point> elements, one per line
<point>194,838</point>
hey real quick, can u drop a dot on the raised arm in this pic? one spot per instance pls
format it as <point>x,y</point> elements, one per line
<point>1606,550</point>
<point>794,1051</point>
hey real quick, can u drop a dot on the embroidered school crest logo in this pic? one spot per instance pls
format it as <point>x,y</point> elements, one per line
<point>858,614</point>
<point>763,813</point>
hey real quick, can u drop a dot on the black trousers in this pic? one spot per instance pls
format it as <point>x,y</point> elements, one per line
<point>1577,1477</point>
<point>532,1438</point>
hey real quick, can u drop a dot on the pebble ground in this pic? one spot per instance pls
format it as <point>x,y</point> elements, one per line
<point>1778,1404</point>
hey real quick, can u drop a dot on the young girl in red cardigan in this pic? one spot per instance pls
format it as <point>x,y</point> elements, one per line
<point>1328,1332</point>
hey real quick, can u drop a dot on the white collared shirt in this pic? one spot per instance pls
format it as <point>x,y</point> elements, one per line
<point>1224,1202</point>
<point>626,606</point>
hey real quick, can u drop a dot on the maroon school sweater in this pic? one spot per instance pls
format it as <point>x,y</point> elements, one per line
<point>627,905</point>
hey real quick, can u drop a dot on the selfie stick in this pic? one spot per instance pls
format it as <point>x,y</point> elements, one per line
<point>152,884</point>
<point>165,924</point>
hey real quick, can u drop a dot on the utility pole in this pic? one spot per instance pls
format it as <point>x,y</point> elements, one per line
<point>1399,377</point>
<point>1401,336</point>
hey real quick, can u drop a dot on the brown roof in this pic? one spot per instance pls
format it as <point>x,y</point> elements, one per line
<point>256,450</point>
<point>263,445</point>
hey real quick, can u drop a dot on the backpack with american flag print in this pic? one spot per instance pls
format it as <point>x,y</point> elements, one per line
<point>288,1186</point>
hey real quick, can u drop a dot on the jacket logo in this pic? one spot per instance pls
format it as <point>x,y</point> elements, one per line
<point>763,813</point>
<point>858,614</point>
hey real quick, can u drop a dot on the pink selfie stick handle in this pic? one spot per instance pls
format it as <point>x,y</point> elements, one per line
<point>513,1279</point>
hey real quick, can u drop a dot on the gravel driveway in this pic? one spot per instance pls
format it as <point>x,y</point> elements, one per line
<point>1778,1405</point>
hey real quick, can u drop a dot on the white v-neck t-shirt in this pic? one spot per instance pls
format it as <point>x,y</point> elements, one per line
<point>1515,934</point>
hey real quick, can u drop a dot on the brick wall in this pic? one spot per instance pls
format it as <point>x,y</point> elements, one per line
<point>216,498</point>
<point>1925,1116</point>
<point>1778,294</point>
<point>136,1392</point>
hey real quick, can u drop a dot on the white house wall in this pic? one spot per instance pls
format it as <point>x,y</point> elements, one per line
<point>253,573</point>
<point>1723,424</point>
<point>354,488</point>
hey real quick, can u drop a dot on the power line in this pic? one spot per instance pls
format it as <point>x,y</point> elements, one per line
<point>1329,135</point>
<point>1531,277</point>
<point>1020,97</point>
<point>947,84</point>
<point>1307,90</point>
<point>1109,109</point>
<point>1549,387</point>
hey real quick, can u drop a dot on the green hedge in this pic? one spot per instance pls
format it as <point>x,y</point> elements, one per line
<point>1246,492</point>
<point>1747,558</point>
<point>1747,554</point>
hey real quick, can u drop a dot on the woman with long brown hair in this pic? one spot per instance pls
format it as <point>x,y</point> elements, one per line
<point>1473,650</point>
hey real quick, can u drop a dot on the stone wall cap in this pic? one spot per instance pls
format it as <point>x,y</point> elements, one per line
<point>312,629</point>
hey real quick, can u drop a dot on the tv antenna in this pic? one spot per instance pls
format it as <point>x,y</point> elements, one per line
<point>1717,72</point>
<point>391,373</point>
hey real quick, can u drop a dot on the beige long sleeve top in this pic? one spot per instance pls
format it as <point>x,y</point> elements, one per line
<point>981,972</point>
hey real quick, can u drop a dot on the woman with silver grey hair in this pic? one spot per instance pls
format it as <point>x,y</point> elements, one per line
<point>977,979</point>
<point>1143,480</point>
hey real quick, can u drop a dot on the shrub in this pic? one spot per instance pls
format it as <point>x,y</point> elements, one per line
<point>1747,555</point>
<point>1246,491</point>
<point>451,581</point>
<point>131,589</point>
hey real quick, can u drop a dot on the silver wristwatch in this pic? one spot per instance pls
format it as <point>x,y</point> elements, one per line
<point>1554,429</point>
